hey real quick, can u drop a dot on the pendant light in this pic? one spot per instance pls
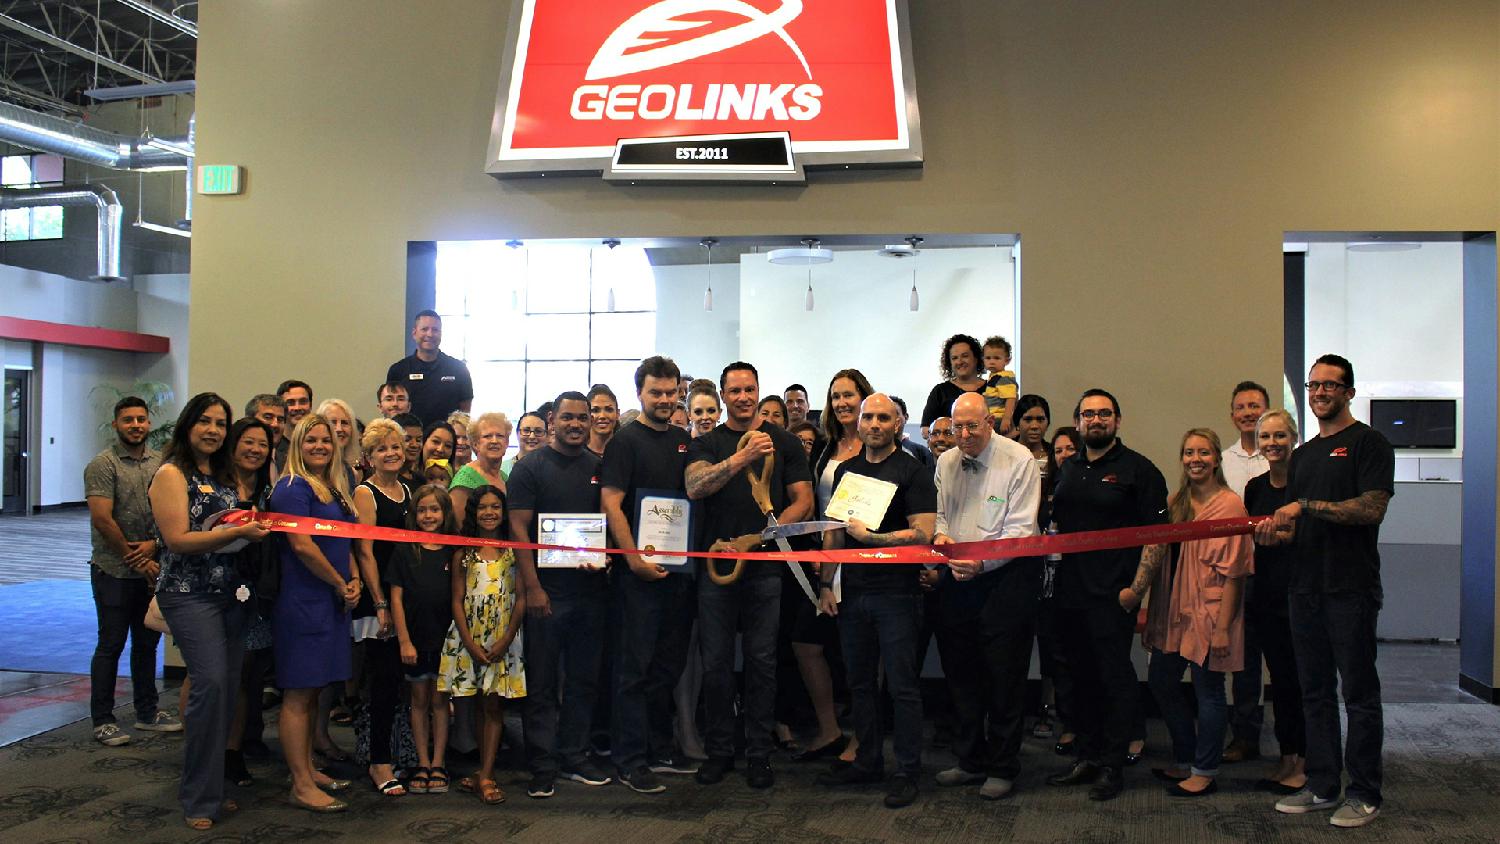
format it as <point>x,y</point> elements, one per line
<point>610,294</point>
<point>515,292</point>
<point>809,304</point>
<point>915,300</point>
<point>708,272</point>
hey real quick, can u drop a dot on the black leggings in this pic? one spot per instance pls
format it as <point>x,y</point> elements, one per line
<point>1275,634</point>
<point>383,674</point>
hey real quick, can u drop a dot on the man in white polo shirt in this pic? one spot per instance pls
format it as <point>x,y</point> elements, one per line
<point>1241,462</point>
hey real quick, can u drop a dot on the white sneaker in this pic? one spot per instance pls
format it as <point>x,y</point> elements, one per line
<point>956,775</point>
<point>162,723</point>
<point>1303,802</point>
<point>1354,813</point>
<point>995,788</point>
<point>110,735</point>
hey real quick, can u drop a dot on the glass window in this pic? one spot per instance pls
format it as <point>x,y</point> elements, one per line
<point>533,321</point>
<point>41,223</point>
<point>627,335</point>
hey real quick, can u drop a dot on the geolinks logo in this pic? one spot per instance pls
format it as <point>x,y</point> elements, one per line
<point>834,74</point>
<point>672,32</point>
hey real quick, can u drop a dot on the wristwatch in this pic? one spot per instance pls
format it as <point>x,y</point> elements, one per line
<point>822,585</point>
<point>382,605</point>
<point>1303,502</point>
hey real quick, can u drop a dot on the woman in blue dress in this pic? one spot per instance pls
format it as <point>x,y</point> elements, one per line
<point>202,593</point>
<point>318,587</point>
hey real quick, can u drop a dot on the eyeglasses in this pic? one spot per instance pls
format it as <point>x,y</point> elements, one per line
<point>532,432</point>
<point>968,427</point>
<point>1325,386</point>
<point>1106,414</point>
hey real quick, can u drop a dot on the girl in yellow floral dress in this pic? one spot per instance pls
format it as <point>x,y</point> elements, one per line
<point>482,654</point>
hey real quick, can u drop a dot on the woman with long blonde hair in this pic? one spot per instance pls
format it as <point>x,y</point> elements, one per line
<point>1196,622</point>
<point>319,585</point>
<point>345,428</point>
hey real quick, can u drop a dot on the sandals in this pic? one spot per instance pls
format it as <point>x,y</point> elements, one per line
<point>391,788</point>
<point>489,792</point>
<point>418,782</point>
<point>437,780</point>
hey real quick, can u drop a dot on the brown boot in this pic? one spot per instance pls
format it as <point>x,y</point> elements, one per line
<point>1240,750</point>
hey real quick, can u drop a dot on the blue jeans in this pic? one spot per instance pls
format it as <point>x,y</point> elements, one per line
<point>1201,750</point>
<point>876,630</point>
<point>210,630</point>
<point>120,603</point>
<point>563,652</point>
<point>651,650</point>
<point>1333,636</point>
<point>752,604</point>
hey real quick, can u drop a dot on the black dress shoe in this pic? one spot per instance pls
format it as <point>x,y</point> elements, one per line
<point>1273,787</point>
<point>758,773</point>
<point>827,751</point>
<point>1063,748</point>
<point>901,792</point>
<point>1166,776</point>
<point>1111,782</point>
<point>712,772</point>
<point>1082,773</point>
<point>1176,790</point>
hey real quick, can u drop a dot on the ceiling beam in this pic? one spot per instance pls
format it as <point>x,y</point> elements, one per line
<point>49,38</point>
<point>162,16</point>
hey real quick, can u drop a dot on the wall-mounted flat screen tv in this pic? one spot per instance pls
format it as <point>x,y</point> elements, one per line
<point>1416,423</point>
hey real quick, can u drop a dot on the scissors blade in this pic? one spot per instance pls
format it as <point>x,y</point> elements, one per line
<point>770,533</point>
<point>775,531</point>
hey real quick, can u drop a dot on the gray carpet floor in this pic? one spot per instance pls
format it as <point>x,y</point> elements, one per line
<point>1442,767</point>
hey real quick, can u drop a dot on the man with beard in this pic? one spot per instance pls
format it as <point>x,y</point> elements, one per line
<point>940,435</point>
<point>121,568</point>
<point>1341,482</point>
<point>565,608</point>
<point>988,488</point>
<point>647,459</point>
<point>1107,486</point>
<point>880,614</point>
<point>719,474</point>
<point>298,396</point>
<point>798,409</point>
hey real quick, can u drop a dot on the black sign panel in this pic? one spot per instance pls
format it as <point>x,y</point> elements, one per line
<point>761,157</point>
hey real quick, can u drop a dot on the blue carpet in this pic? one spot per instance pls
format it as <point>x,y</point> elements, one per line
<point>51,626</point>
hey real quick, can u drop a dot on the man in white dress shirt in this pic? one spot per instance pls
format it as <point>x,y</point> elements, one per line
<point>1243,460</point>
<point>988,487</point>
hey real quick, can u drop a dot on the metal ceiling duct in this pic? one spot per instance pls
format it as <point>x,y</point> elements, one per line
<point>45,133</point>
<point>98,197</point>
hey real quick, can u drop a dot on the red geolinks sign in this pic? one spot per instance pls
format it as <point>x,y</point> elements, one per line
<point>579,76</point>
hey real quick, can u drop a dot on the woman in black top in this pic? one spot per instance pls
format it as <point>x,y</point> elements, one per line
<point>1266,607</point>
<point>249,448</point>
<point>960,366</point>
<point>382,501</point>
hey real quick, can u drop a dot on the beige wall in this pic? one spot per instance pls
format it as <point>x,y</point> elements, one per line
<point>1149,154</point>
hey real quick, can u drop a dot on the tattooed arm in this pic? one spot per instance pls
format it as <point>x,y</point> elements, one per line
<point>920,530</point>
<point>1152,558</point>
<point>1367,509</point>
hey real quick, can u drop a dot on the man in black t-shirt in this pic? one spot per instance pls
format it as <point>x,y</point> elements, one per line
<point>566,609</point>
<point>880,614</point>
<point>655,607</point>
<point>437,383</point>
<point>1096,593</point>
<point>719,474</point>
<point>1341,482</point>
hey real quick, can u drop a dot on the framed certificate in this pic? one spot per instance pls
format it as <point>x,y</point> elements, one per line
<point>861,497</point>
<point>578,529</point>
<point>663,521</point>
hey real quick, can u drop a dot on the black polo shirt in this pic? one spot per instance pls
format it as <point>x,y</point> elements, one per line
<point>732,512</point>
<point>1120,489</point>
<point>437,388</point>
<point>1339,558</point>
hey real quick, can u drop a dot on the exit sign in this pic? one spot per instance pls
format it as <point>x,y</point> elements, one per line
<point>219,178</point>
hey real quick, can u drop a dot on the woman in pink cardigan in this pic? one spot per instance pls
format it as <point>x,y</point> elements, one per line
<point>1196,620</point>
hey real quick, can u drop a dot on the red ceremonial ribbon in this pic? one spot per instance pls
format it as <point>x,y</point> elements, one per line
<point>990,549</point>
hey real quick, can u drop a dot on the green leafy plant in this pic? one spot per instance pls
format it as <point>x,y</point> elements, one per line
<point>156,394</point>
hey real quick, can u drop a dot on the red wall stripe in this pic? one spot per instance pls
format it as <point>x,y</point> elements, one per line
<point>14,328</point>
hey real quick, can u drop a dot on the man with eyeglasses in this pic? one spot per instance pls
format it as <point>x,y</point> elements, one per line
<point>940,435</point>
<point>988,487</point>
<point>1340,483</point>
<point>1105,486</point>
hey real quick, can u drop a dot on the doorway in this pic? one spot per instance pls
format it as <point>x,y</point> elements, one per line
<point>15,475</point>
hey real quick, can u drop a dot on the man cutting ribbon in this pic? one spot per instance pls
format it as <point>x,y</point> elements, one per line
<point>750,603</point>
